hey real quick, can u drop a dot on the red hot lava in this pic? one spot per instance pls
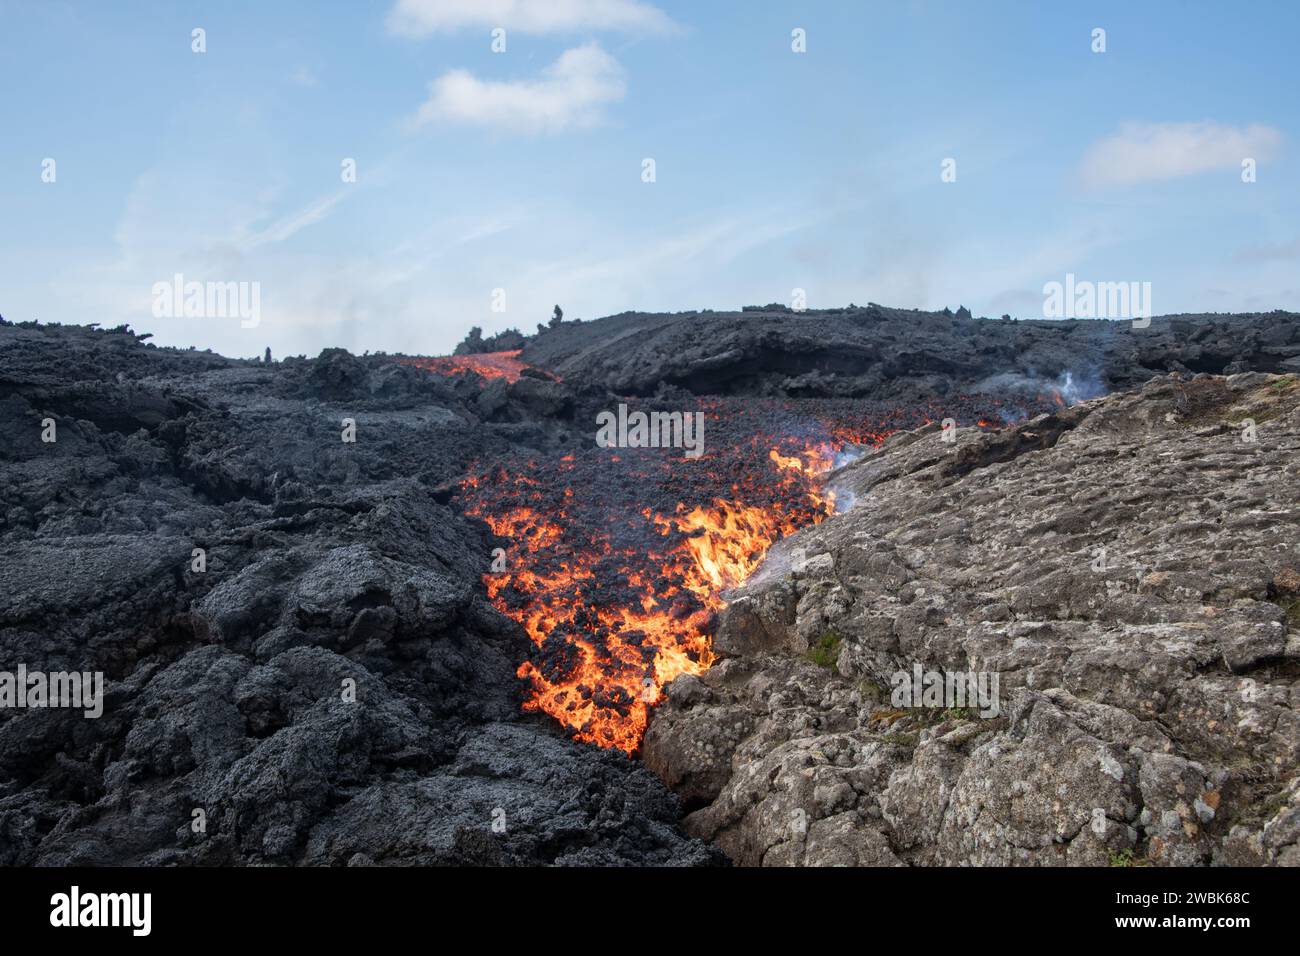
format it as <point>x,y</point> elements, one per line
<point>488,364</point>
<point>617,559</point>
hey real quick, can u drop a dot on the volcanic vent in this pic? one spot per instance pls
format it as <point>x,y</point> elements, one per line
<point>615,560</point>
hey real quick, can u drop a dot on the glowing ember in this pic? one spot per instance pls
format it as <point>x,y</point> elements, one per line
<point>487,364</point>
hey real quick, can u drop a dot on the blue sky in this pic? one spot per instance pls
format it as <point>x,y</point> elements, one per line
<point>522,170</point>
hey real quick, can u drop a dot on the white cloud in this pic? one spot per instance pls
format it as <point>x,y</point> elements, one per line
<point>419,18</point>
<point>570,93</point>
<point>1143,152</point>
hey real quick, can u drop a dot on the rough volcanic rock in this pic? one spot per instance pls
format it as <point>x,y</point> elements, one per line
<point>327,685</point>
<point>297,648</point>
<point>1129,568</point>
<point>901,355</point>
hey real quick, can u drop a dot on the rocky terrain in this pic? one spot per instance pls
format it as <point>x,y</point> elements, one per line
<point>1129,567</point>
<point>326,563</point>
<point>299,653</point>
<point>898,354</point>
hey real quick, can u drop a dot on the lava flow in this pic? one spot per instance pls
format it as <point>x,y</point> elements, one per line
<point>616,559</point>
<point>504,365</point>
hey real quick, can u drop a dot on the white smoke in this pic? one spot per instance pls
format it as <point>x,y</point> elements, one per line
<point>1072,386</point>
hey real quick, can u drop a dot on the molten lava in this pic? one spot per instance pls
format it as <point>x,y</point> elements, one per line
<point>487,364</point>
<point>617,559</point>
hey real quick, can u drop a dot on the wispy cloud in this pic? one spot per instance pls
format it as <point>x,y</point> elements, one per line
<point>1276,252</point>
<point>284,227</point>
<point>570,93</point>
<point>1144,152</point>
<point>418,18</point>
<point>304,76</point>
<point>713,244</point>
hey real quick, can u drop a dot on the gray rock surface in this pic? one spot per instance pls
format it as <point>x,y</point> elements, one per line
<point>899,354</point>
<point>1129,568</point>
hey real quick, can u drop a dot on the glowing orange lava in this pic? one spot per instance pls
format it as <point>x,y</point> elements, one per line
<point>620,606</point>
<point>487,364</point>
<point>616,563</point>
